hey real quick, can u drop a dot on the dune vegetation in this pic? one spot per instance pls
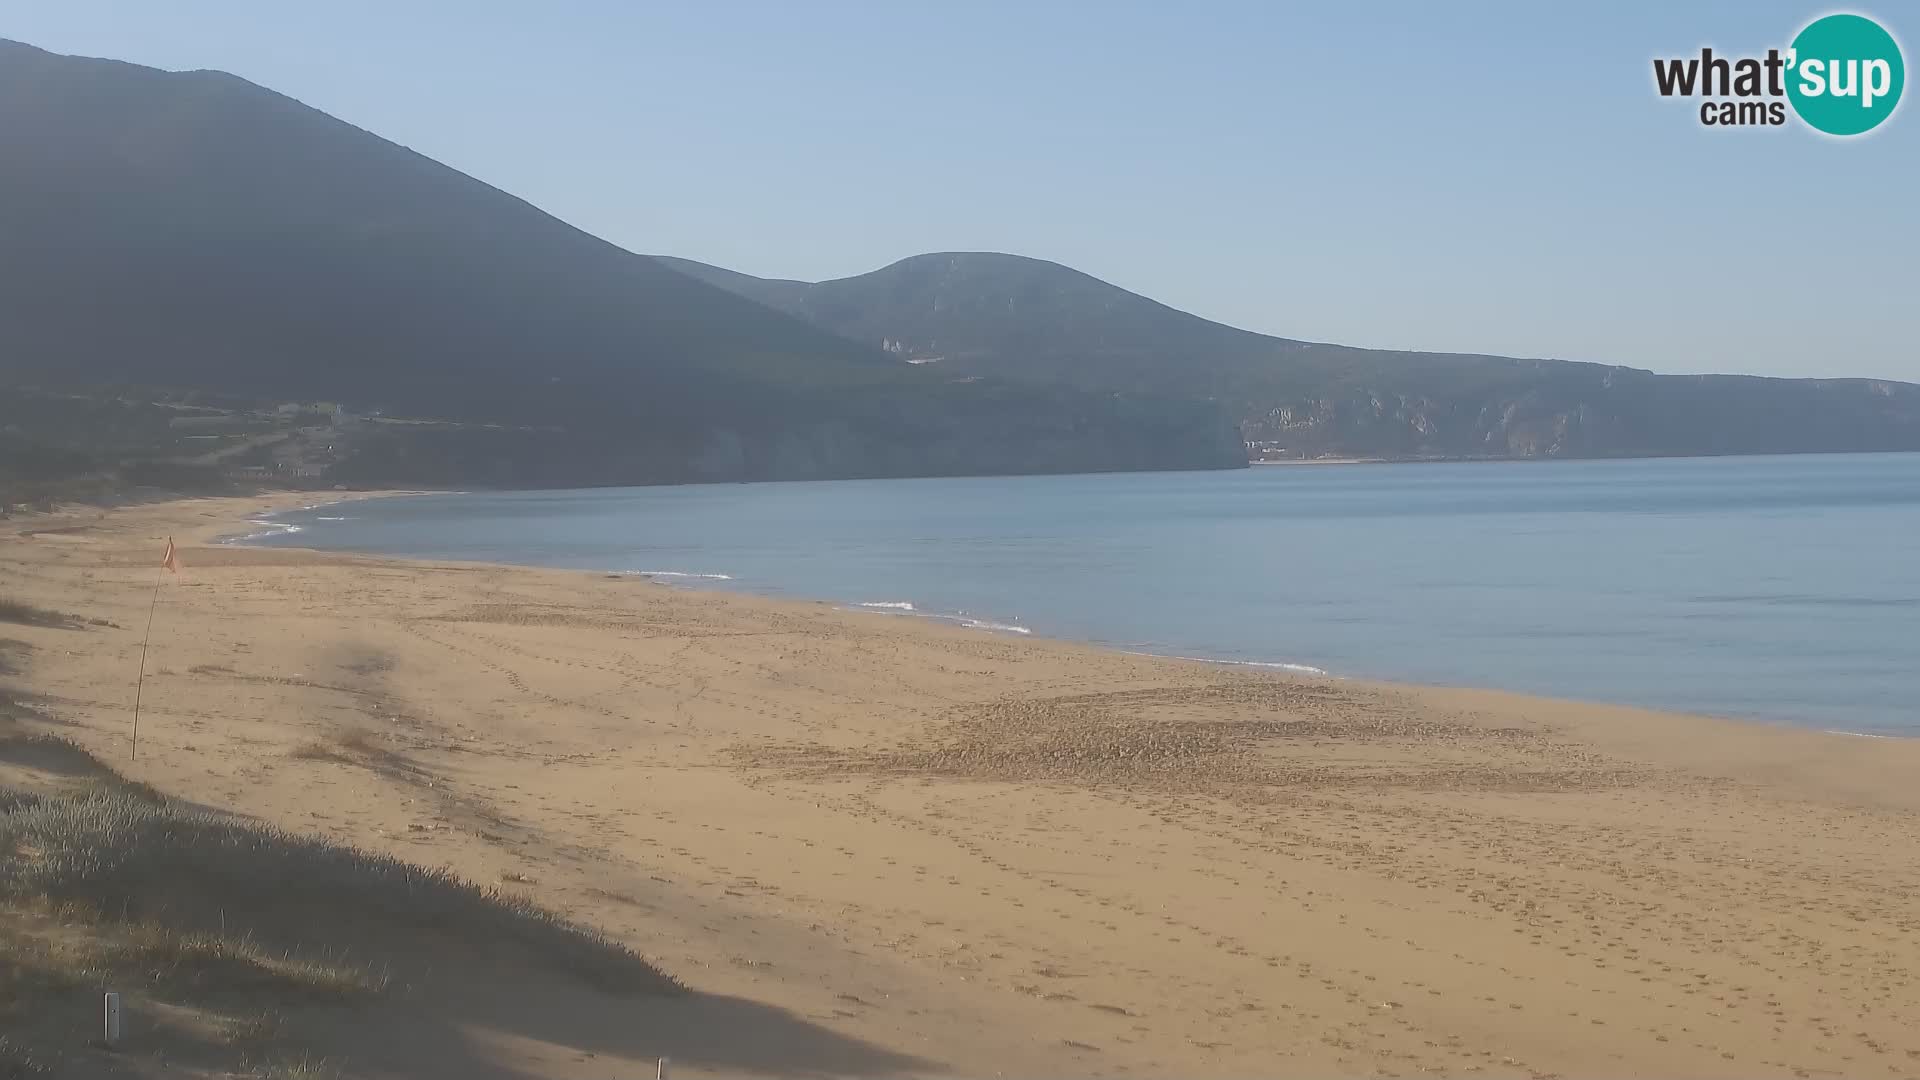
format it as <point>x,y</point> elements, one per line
<point>215,929</point>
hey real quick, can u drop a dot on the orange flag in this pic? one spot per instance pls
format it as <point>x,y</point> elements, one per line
<point>170,560</point>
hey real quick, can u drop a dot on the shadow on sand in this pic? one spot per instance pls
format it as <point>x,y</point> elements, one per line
<point>511,1023</point>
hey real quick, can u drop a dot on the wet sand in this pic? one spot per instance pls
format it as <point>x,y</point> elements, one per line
<point>903,847</point>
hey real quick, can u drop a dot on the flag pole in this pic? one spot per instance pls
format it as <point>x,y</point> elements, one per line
<point>140,684</point>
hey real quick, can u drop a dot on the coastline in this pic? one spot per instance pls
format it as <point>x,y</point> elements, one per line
<point>1369,672</point>
<point>1010,853</point>
<point>279,502</point>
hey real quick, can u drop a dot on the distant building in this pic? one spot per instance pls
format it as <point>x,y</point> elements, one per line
<point>215,424</point>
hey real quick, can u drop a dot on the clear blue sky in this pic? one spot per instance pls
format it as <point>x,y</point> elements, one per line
<point>1477,177</point>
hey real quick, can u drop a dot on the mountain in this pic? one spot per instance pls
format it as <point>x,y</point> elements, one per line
<point>1004,316</point>
<point>191,231</point>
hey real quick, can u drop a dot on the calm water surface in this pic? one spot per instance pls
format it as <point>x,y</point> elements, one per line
<point>1782,588</point>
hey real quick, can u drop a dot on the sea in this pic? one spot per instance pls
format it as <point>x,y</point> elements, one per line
<point>1781,589</point>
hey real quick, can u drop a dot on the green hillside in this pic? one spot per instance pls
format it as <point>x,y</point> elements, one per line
<point>1009,317</point>
<point>168,233</point>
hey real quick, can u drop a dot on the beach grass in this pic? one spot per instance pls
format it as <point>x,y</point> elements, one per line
<point>18,611</point>
<point>122,855</point>
<point>107,884</point>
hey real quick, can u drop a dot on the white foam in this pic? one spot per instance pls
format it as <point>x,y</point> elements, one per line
<point>962,618</point>
<point>982,624</point>
<point>679,574</point>
<point>268,528</point>
<point>1855,734</point>
<point>1298,669</point>
<point>332,519</point>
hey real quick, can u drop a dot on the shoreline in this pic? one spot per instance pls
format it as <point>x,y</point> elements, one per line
<point>239,539</point>
<point>726,584</point>
<point>951,851</point>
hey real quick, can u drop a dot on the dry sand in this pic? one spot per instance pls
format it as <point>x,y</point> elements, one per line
<point>877,845</point>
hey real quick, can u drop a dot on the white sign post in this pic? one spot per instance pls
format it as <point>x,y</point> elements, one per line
<point>111,1021</point>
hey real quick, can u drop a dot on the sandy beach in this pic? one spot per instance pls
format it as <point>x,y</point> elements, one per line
<point>877,845</point>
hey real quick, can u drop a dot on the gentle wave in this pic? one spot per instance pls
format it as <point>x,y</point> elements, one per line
<point>268,528</point>
<point>1808,600</point>
<point>678,574</point>
<point>906,607</point>
<point>333,519</point>
<point>982,624</point>
<point>1298,669</point>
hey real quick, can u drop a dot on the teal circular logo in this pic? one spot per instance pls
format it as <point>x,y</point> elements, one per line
<point>1844,74</point>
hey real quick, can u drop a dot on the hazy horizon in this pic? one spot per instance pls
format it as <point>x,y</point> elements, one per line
<point>1548,204</point>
